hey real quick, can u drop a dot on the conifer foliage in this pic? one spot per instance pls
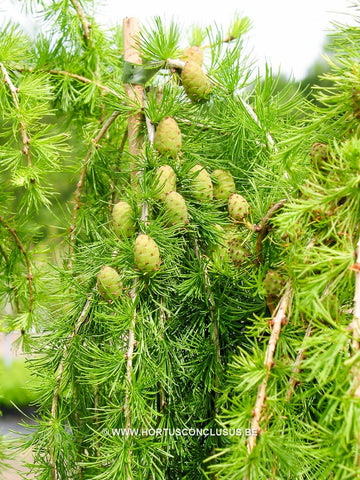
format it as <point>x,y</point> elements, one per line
<point>204,268</point>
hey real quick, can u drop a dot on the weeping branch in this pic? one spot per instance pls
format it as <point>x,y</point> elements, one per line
<point>81,320</point>
<point>278,319</point>
<point>22,127</point>
<point>20,245</point>
<point>79,187</point>
<point>296,370</point>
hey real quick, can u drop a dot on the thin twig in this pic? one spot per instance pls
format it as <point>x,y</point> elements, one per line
<point>278,320</point>
<point>129,362</point>
<point>77,195</point>
<point>82,79</point>
<point>253,115</point>
<point>14,93</point>
<point>215,336</point>
<point>227,39</point>
<point>3,253</point>
<point>215,332</point>
<point>29,276</point>
<point>81,320</point>
<point>66,73</point>
<point>86,25</point>
<point>175,63</point>
<point>96,417</point>
<point>262,229</point>
<point>296,370</point>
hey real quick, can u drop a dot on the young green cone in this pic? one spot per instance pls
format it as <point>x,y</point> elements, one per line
<point>237,252</point>
<point>238,207</point>
<point>273,283</point>
<point>146,253</point>
<point>176,210</point>
<point>202,187</point>
<point>123,219</point>
<point>168,137</point>
<point>224,185</point>
<point>166,181</point>
<point>195,82</point>
<point>109,282</point>
<point>319,154</point>
<point>194,54</point>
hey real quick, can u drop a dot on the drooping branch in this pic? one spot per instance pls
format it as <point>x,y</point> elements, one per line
<point>86,25</point>
<point>22,127</point>
<point>81,320</point>
<point>20,245</point>
<point>263,228</point>
<point>278,319</point>
<point>79,187</point>
<point>296,370</point>
<point>215,335</point>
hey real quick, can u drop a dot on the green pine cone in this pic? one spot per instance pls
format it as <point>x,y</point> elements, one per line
<point>237,252</point>
<point>273,283</point>
<point>166,181</point>
<point>194,54</point>
<point>123,219</point>
<point>109,283</point>
<point>168,137</point>
<point>238,207</point>
<point>146,253</point>
<point>224,185</point>
<point>319,154</point>
<point>195,82</point>
<point>176,210</point>
<point>202,187</point>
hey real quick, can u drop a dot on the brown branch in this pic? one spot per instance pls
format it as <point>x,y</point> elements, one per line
<point>30,276</point>
<point>278,320</point>
<point>131,32</point>
<point>355,323</point>
<point>86,25</point>
<point>14,94</point>
<point>77,195</point>
<point>263,228</point>
<point>81,320</point>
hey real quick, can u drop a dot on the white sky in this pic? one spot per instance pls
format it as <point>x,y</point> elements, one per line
<point>286,33</point>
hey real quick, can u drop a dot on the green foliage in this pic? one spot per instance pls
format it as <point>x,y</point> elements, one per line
<point>185,344</point>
